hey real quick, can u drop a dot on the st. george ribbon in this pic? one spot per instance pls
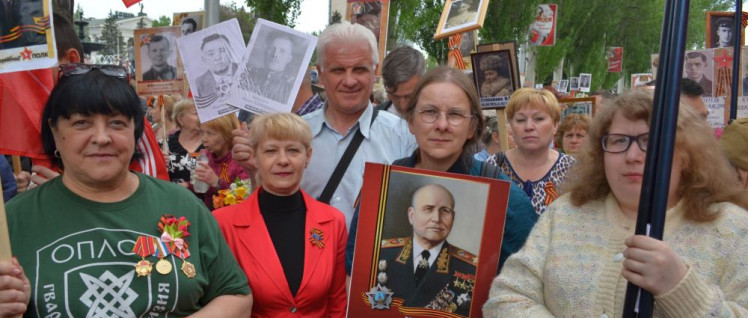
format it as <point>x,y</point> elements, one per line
<point>656,179</point>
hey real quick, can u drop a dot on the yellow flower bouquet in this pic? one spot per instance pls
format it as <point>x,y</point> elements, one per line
<point>237,192</point>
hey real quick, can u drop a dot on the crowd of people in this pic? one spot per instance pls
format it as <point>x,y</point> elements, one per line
<point>94,236</point>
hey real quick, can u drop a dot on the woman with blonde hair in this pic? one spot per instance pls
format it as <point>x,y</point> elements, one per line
<point>582,252</point>
<point>537,169</point>
<point>291,246</point>
<point>185,143</point>
<point>220,170</point>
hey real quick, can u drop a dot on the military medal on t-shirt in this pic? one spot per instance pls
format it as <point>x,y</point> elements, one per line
<point>144,246</point>
<point>174,232</point>
<point>162,266</point>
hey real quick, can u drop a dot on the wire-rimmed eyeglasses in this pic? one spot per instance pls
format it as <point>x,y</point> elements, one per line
<point>454,117</point>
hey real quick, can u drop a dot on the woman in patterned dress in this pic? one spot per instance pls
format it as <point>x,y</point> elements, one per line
<point>534,166</point>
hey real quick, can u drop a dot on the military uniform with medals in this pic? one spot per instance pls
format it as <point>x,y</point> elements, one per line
<point>446,286</point>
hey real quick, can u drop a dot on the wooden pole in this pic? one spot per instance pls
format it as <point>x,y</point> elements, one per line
<point>164,146</point>
<point>16,164</point>
<point>6,255</point>
<point>503,135</point>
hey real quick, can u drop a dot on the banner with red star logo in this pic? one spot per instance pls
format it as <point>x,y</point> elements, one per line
<point>27,39</point>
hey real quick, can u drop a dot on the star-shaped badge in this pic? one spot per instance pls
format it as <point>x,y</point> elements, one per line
<point>724,60</point>
<point>380,297</point>
<point>26,54</point>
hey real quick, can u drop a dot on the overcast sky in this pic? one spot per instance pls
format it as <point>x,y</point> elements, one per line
<point>313,15</point>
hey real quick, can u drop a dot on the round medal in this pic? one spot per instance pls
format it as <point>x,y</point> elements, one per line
<point>143,268</point>
<point>163,267</point>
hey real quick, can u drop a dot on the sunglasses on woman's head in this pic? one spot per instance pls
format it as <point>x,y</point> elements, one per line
<point>75,69</point>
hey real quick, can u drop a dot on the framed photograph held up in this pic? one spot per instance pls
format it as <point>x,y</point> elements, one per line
<point>189,21</point>
<point>387,277</point>
<point>720,29</point>
<point>374,15</point>
<point>585,106</point>
<point>158,69</point>
<point>460,16</point>
<point>493,73</point>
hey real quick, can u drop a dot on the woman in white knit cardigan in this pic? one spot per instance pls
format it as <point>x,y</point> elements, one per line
<point>581,253</point>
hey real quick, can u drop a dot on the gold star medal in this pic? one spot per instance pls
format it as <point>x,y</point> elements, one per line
<point>188,269</point>
<point>144,246</point>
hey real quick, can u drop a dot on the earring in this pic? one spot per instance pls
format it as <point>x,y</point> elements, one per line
<point>57,153</point>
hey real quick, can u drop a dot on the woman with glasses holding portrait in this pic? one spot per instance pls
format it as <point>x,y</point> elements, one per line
<point>445,117</point>
<point>583,251</point>
<point>101,240</point>
<point>534,166</point>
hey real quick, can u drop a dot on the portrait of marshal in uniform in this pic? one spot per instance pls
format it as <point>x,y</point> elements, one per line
<point>423,259</point>
<point>424,268</point>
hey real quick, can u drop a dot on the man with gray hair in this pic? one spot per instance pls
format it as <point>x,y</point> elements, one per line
<point>347,62</point>
<point>401,71</point>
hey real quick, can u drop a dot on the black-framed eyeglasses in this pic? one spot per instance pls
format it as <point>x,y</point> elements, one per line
<point>617,143</point>
<point>454,117</point>
<point>75,69</point>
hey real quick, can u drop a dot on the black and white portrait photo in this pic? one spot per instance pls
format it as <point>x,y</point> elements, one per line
<point>563,85</point>
<point>157,68</point>
<point>211,58</point>
<point>462,12</point>
<point>574,84</point>
<point>160,58</point>
<point>699,66</point>
<point>720,29</point>
<point>585,81</point>
<point>271,72</point>
<point>189,22</point>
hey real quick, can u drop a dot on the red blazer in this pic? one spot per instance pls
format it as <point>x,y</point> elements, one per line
<point>322,291</point>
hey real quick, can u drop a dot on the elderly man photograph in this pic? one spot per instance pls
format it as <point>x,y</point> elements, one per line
<point>347,61</point>
<point>696,69</point>
<point>159,52</point>
<point>402,68</point>
<point>424,269</point>
<point>216,54</point>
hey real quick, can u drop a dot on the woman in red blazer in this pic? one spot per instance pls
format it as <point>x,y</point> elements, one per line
<point>291,246</point>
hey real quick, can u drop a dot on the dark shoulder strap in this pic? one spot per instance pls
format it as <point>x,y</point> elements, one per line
<point>345,161</point>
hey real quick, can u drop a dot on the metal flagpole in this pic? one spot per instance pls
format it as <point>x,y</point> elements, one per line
<point>656,179</point>
<point>737,35</point>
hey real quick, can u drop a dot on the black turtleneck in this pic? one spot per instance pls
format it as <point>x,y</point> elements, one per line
<point>285,218</point>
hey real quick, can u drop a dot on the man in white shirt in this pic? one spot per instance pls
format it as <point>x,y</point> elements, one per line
<point>347,62</point>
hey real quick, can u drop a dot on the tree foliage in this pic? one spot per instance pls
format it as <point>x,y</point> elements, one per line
<point>584,30</point>
<point>279,11</point>
<point>161,21</point>
<point>110,34</point>
<point>246,20</point>
<point>416,21</point>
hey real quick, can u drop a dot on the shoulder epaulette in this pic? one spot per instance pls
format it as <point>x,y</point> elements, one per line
<point>395,242</point>
<point>463,255</point>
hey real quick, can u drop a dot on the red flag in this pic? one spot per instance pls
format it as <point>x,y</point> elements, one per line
<point>152,162</point>
<point>129,3</point>
<point>22,98</point>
